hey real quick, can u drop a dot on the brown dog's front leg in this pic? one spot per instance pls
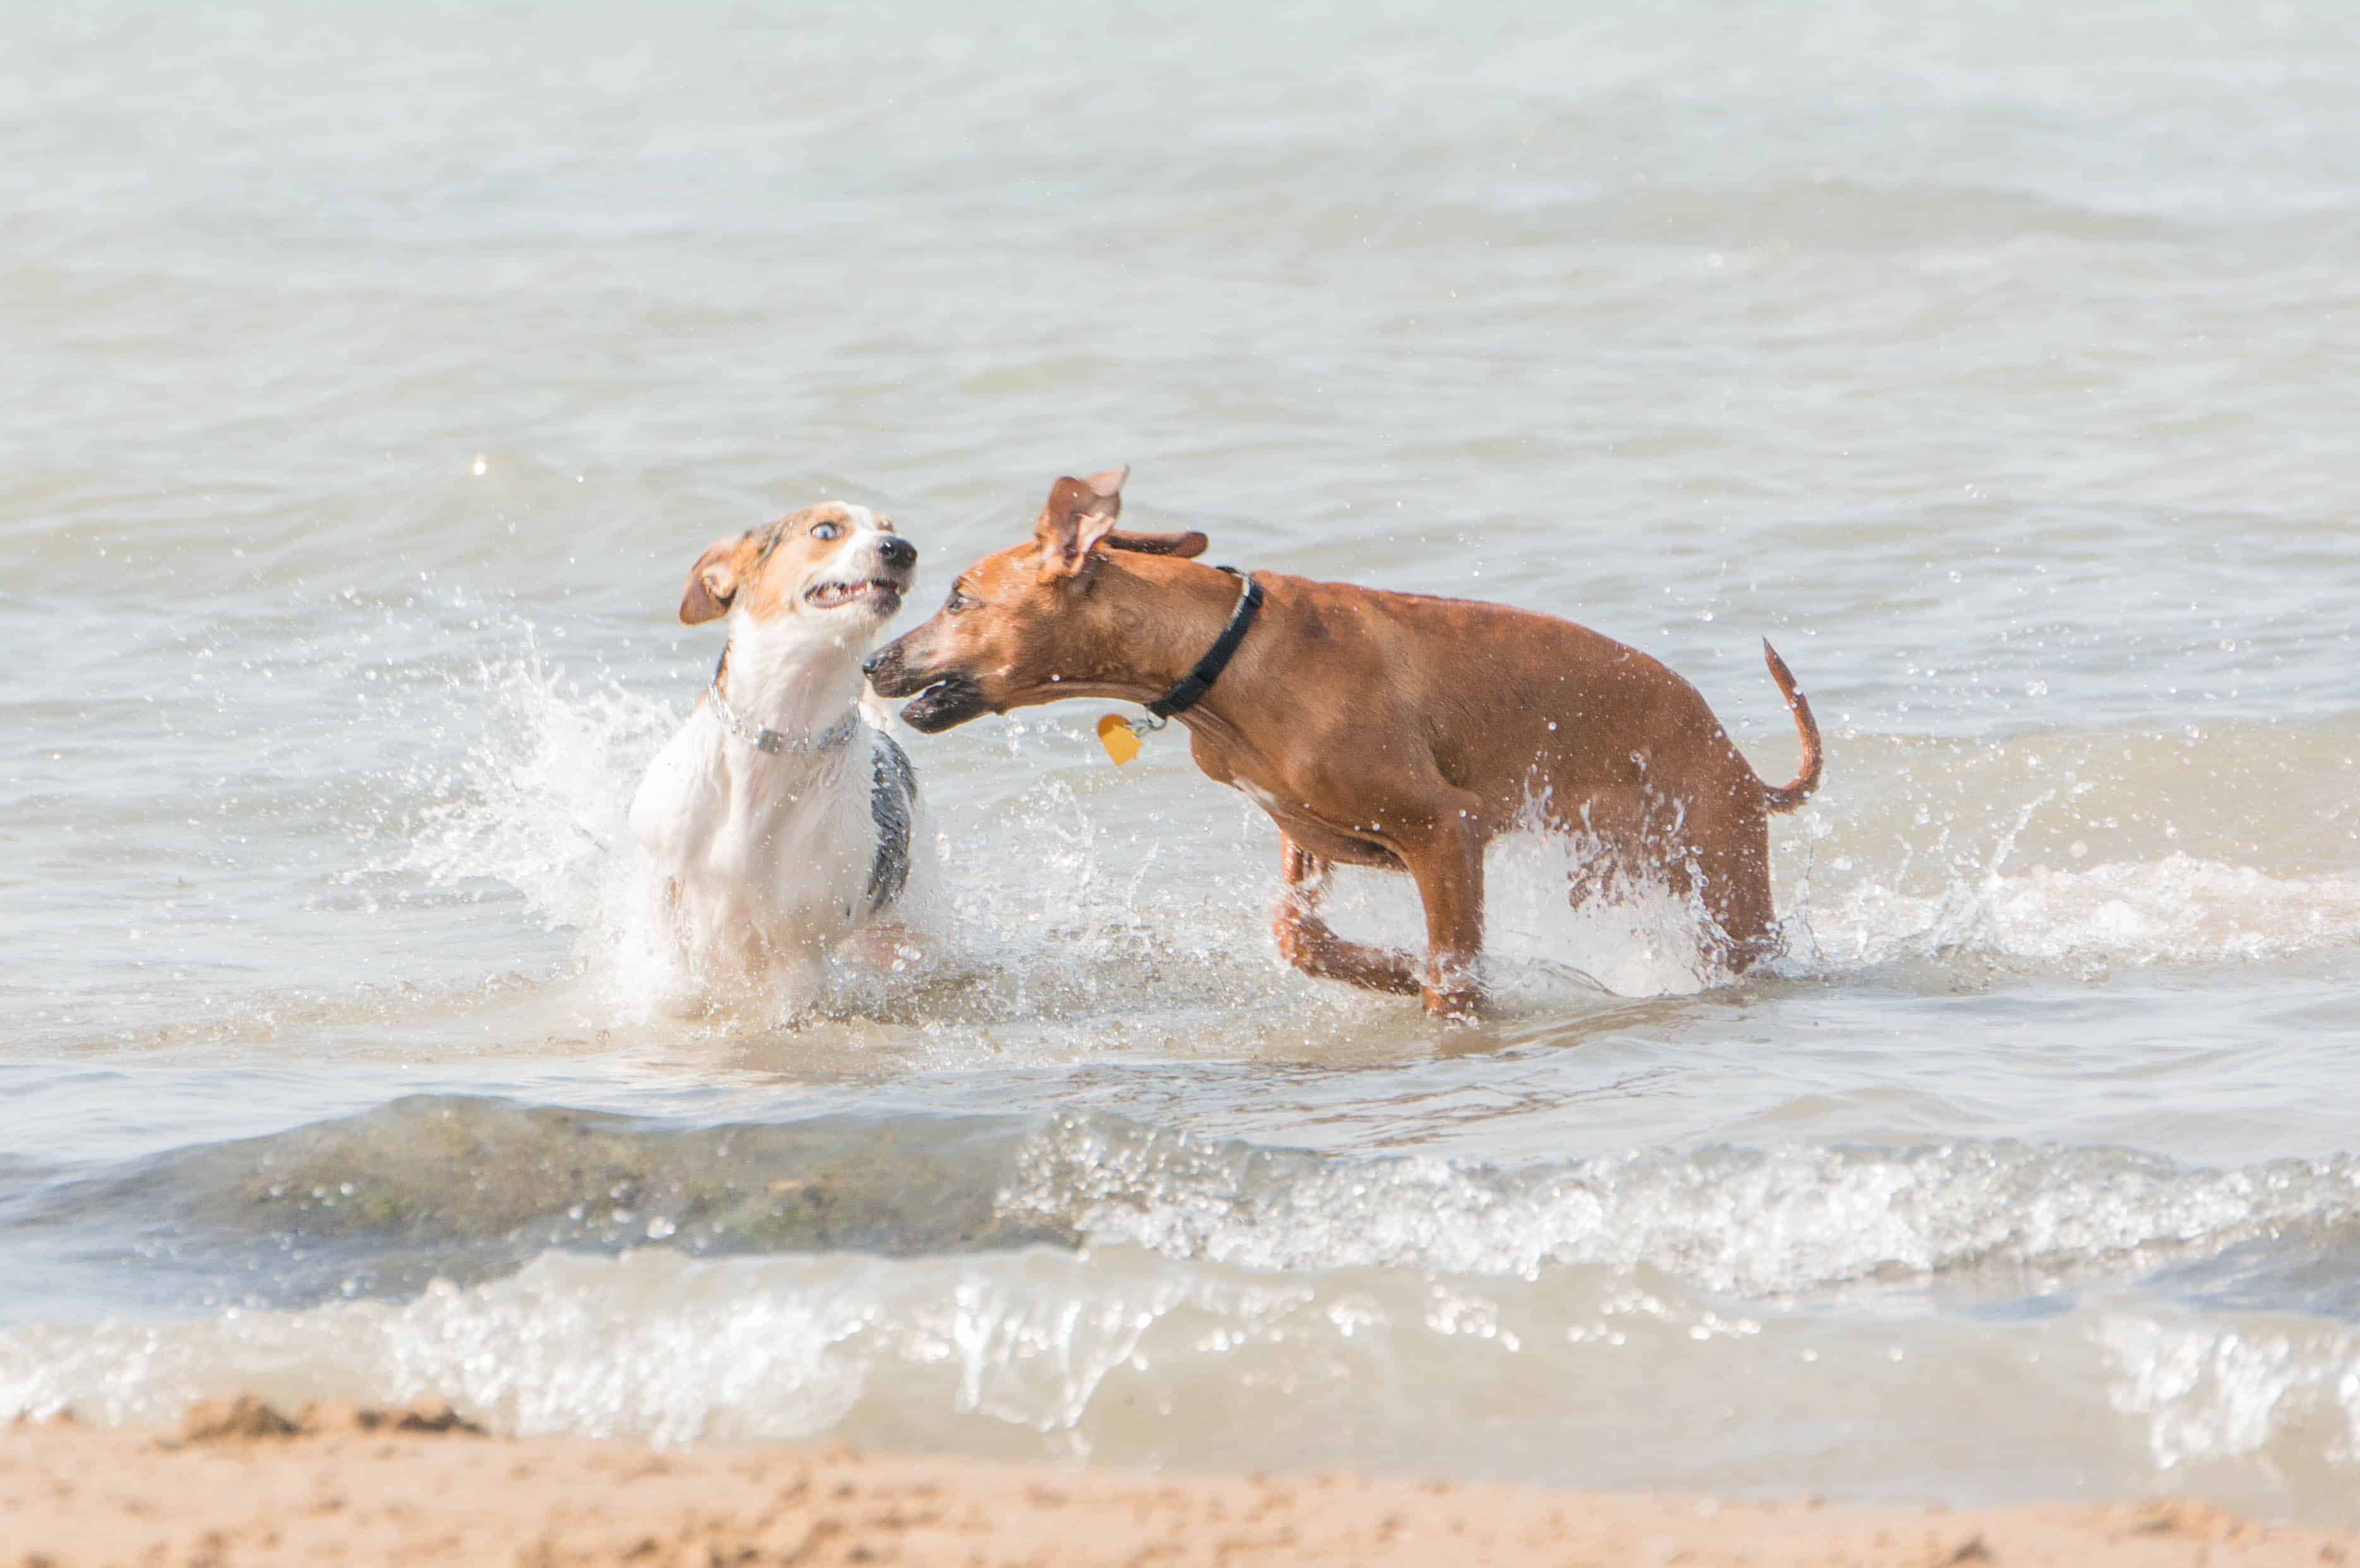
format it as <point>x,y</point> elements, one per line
<point>1449,872</point>
<point>1305,941</point>
<point>1305,873</point>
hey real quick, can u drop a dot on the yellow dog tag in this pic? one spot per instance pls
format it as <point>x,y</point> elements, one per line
<point>1114,733</point>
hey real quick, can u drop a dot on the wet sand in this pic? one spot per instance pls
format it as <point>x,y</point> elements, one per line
<point>243,1485</point>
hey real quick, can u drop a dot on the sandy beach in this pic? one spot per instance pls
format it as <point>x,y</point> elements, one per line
<point>243,1484</point>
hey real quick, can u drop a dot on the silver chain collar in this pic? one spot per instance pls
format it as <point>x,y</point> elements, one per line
<point>775,742</point>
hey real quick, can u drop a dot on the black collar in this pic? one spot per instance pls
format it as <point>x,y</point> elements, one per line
<point>1200,680</point>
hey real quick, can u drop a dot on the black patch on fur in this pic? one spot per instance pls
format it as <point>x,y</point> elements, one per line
<point>892,792</point>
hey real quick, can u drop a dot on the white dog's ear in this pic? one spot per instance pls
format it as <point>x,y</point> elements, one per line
<point>713,580</point>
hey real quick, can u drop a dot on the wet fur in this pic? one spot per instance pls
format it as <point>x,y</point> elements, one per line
<point>1389,730</point>
<point>759,864</point>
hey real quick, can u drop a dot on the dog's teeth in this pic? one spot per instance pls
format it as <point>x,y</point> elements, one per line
<point>830,595</point>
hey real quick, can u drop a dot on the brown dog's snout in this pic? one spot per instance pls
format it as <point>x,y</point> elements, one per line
<point>886,669</point>
<point>942,699</point>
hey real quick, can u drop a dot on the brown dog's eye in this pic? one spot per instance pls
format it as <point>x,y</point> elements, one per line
<point>824,531</point>
<point>958,601</point>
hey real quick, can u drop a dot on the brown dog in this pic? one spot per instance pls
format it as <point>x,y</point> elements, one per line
<point>1380,729</point>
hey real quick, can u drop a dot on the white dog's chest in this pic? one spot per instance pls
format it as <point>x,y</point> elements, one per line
<point>808,849</point>
<point>795,849</point>
<point>781,817</point>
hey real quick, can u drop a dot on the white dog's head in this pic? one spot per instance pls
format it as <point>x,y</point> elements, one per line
<point>834,570</point>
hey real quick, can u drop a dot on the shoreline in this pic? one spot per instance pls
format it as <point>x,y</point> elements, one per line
<point>242,1485</point>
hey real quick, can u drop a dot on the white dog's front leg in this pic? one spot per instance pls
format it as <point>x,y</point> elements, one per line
<point>888,948</point>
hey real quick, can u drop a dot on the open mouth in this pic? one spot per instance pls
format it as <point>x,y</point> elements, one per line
<point>937,703</point>
<point>878,593</point>
<point>948,703</point>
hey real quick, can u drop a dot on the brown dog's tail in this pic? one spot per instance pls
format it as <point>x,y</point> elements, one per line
<point>1795,794</point>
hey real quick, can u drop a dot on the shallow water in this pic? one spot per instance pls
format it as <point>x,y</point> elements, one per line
<point>376,379</point>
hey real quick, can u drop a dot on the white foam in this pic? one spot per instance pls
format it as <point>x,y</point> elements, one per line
<point>2207,1391</point>
<point>656,1347</point>
<point>1588,1377</point>
<point>1760,1223</point>
<point>2176,909</point>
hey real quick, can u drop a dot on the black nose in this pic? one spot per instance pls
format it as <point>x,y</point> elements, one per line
<point>869,666</point>
<point>897,551</point>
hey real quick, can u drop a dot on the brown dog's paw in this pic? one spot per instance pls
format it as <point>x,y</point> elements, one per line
<point>1454,1007</point>
<point>1303,940</point>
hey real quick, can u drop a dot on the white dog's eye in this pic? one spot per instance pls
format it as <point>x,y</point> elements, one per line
<point>824,531</point>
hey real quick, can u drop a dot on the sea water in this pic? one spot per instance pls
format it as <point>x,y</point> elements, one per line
<point>374,376</point>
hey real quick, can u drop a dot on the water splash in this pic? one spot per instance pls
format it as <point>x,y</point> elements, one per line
<point>1049,913</point>
<point>540,803</point>
<point>2209,1392</point>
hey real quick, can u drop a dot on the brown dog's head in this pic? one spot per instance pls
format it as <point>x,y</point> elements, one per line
<point>1023,626</point>
<point>833,572</point>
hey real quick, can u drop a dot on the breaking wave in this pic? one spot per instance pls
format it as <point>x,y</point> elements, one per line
<point>1585,1377</point>
<point>449,1186</point>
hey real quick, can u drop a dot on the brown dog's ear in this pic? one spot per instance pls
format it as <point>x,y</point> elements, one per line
<point>713,581</point>
<point>1108,486</point>
<point>1191,543</point>
<point>1080,513</point>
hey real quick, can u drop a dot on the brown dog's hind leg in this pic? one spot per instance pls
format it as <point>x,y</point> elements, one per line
<point>1731,867</point>
<point>1738,896</point>
<point>1305,941</point>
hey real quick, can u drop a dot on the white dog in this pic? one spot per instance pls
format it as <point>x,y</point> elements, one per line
<point>781,821</point>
